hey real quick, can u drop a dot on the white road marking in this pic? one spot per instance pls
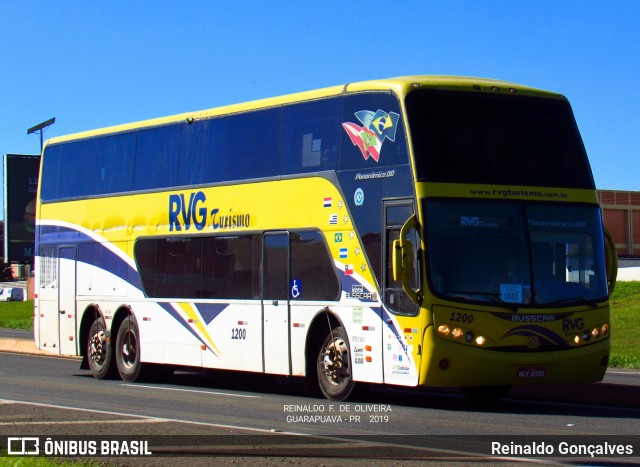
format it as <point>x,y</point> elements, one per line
<point>213,393</point>
<point>85,422</point>
<point>457,454</point>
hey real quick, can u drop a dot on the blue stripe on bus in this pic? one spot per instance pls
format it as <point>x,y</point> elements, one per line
<point>387,319</point>
<point>107,260</point>
<point>547,336</point>
<point>166,306</point>
<point>210,311</point>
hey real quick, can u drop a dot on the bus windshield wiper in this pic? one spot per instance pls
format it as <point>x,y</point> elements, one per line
<point>578,299</point>
<point>494,297</point>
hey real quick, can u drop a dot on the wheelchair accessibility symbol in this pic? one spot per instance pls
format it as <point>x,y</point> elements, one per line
<point>296,288</point>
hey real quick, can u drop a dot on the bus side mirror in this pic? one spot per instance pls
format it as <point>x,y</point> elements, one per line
<point>611,259</point>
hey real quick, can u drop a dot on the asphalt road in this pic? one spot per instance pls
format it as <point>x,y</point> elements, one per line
<point>271,419</point>
<point>6,333</point>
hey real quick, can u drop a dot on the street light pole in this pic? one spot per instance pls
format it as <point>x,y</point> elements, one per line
<point>40,129</point>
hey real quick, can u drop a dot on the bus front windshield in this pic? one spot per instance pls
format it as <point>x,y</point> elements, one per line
<point>513,253</point>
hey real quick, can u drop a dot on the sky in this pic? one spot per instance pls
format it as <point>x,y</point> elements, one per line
<point>97,64</point>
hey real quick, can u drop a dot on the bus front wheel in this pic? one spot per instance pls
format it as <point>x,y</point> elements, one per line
<point>99,351</point>
<point>333,366</point>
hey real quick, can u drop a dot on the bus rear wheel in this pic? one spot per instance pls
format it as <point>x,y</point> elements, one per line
<point>333,366</point>
<point>128,350</point>
<point>99,352</point>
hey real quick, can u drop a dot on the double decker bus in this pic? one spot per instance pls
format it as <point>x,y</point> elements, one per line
<point>416,231</point>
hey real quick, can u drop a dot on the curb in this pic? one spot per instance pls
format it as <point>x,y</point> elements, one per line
<point>25,346</point>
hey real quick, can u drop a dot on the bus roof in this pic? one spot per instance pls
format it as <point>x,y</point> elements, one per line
<point>399,85</point>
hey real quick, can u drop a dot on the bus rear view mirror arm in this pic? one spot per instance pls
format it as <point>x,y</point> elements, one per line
<point>402,260</point>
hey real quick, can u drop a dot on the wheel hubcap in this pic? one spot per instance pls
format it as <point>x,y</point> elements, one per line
<point>98,348</point>
<point>129,349</point>
<point>335,360</point>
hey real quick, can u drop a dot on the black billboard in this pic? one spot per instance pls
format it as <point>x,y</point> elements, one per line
<point>20,190</point>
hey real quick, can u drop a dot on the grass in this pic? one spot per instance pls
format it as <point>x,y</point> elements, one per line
<point>30,461</point>
<point>16,315</point>
<point>625,323</point>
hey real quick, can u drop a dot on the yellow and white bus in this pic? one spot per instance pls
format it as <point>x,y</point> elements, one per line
<point>424,230</point>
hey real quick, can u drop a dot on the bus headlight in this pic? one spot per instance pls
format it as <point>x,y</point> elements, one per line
<point>597,332</point>
<point>457,333</point>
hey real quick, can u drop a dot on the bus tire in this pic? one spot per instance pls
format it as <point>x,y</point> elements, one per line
<point>485,394</point>
<point>333,366</point>
<point>99,351</point>
<point>128,350</point>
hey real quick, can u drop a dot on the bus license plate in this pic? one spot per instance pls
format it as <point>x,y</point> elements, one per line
<point>530,373</point>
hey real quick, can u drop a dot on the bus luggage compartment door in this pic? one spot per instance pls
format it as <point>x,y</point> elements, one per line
<point>67,299</point>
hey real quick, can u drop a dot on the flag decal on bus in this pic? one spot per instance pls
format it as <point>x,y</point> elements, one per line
<point>376,127</point>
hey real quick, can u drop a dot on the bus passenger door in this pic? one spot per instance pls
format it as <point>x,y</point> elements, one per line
<point>275,304</point>
<point>67,299</point>
<point>402,330</point>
